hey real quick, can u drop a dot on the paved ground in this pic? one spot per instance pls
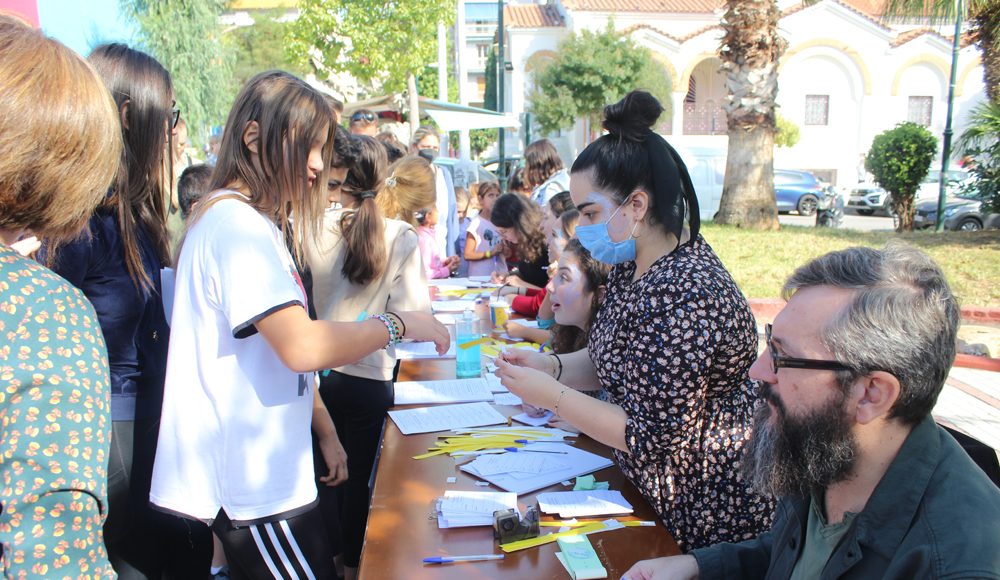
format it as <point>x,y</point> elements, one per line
<point>851,221</point>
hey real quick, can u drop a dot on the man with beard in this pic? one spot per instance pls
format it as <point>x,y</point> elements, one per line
<point>869,485</point>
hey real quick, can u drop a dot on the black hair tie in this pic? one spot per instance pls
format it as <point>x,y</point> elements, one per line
<point>367,194</point>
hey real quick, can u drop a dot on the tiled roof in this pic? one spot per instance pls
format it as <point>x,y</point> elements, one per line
<point>636,27</point>
<point>531,16</point>
<point>913,35</point>
<point>668,6</point>
<point>867,7</point>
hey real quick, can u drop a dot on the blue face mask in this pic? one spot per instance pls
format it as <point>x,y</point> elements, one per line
<point>597,240</point>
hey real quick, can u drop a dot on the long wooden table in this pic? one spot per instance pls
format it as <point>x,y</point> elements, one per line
<point>403,530</point>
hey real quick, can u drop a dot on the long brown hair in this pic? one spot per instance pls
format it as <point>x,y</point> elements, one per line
<point>595,275</point>
<point>142,90</point>
<point>363,228</point>
<point>525,218</point>
<point>290,117</point>
<point>60,138</point>
<point>409,188</point>
<point>541,161</point>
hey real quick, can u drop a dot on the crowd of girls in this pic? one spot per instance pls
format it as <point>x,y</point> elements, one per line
<point>246,416</point>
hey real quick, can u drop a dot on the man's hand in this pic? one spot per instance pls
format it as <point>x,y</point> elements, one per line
<point>670,568</point>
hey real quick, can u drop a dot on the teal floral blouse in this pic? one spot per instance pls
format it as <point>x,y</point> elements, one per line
<point>55,426</point>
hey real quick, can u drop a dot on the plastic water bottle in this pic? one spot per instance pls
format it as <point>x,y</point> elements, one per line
<point>467,359</point>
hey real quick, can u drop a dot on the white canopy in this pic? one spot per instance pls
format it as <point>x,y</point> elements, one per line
<point>448,116</point>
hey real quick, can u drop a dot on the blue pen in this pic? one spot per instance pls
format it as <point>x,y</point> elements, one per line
<point>450,559</point>
<point>516,449</point>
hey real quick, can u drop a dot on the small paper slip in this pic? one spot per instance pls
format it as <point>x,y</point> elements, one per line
<point>458,509</point>
<point>580,559</point>
<point>420,350</point>
<point>569,463</point>
<point>452,305</point>
<point>493,383</point>
<point>446,417</point>
<point>446,391</point>
<point>534,421</point>
<point>584,504</point>
<point>507,399</point>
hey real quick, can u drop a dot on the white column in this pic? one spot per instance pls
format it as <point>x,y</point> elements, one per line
<point>462,70</point>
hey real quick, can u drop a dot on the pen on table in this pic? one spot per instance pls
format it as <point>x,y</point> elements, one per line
<point>518,449</point>
<point>450,559</point>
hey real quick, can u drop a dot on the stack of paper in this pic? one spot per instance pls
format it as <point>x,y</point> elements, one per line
<point>446,417</point>
<point>420,350</point>
<point>527,472</point>
<point>447,391</point>
<point>459,509</point>
<point>584,504</point>
<point>534,421</point>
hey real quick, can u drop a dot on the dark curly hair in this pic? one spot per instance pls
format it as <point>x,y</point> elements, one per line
<point>515,212</point>
<point>595,275</point>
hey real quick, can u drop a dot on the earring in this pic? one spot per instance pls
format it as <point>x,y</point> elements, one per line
<point>632,235</point>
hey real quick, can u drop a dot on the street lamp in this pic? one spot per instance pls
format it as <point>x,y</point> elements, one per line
<point>946,145</point>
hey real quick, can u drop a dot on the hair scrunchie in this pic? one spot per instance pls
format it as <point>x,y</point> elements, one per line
<point>391,181</point>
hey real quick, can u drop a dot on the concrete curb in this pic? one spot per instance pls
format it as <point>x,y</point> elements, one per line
<point>765,309</point>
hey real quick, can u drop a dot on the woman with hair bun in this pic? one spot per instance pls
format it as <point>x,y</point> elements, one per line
<point>671,343</point>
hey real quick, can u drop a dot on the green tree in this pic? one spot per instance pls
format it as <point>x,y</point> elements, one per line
<point>261,47</point>
<point>750,49</point>
<point>186,37</point>
<point>899,160</point>
<point>490,90</point>
<point>590,70</point>
<point>787,133</point>
<point>381,42</point>
<point>980,142</point>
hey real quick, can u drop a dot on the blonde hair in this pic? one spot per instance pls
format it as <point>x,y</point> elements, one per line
<point>60,139</point>
<point>409,188</point>
<point>290,117</point>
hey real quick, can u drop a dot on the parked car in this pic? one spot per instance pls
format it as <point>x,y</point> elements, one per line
<point>510,162</point>
<point>797,191</point>
<point>931,189</point>
<point>868,198</point>
<point>960,213</point>
<point>464,172</point>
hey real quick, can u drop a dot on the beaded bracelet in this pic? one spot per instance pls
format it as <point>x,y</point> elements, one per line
<point>390,325</point>
<point>555,409</point>
<point>399,321</point>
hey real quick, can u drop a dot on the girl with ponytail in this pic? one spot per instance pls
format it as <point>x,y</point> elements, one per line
<point>671,342</point>
<point>363,262</point>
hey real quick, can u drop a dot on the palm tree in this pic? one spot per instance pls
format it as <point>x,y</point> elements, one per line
<point>751,47</point>
<point>980,143</point>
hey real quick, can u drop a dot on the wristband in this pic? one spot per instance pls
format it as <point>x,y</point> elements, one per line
<point>488,255</point>
<point>559,361</point>
<point>390,325</point>
<point>399,320</point>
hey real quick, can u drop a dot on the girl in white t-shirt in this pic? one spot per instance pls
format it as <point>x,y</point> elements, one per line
<point>235,447</point>
<point>484,248</point>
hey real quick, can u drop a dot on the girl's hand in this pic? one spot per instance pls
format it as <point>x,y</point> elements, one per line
<point>498,278</point>
<point>533,386</point>
<point>533,411</point>
<point>515,281</point>
<point>507,290</point>
<point>515,330</point>
<point>452,262</point>
<point>423,327</point>
<point>335,458</point>
<point>529,359</point>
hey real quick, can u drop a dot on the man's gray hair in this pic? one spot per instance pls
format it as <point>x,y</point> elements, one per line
<point>903,319</point>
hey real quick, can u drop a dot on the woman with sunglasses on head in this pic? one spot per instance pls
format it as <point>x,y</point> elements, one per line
<point>117,266</point>
<point>671,343</point>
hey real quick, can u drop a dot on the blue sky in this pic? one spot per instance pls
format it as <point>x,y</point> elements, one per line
<point>84,25</point>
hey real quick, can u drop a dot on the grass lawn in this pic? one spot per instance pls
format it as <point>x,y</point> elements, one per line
<point>761,261</point>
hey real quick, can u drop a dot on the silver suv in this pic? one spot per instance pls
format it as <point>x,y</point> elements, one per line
<point>866,199</point>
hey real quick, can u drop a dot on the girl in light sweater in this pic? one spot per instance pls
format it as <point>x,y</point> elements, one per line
<point>364,263</point>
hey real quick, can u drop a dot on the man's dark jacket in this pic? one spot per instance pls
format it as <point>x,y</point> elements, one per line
<point>935,514</point>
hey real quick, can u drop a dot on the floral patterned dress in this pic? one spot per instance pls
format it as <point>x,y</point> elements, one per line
<point>672,349</point>
<point>55,426</point>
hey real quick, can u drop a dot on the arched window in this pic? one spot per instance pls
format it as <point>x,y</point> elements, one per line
<point>692,89</point>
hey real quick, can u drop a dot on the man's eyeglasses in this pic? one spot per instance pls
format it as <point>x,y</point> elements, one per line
<point>778,361</point>
<point>366,116</point>
<point>175,115</point>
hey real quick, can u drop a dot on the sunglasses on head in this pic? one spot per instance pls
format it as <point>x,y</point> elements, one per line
<point>366,117</point>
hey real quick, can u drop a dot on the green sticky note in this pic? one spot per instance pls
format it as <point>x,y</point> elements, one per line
<point>587,483</point>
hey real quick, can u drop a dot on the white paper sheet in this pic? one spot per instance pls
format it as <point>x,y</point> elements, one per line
<point>493,382</point>
<point>445,417</point>
<point>507,399</point>
<point>453,305</point>
<point>517,462</point>
<point>446,391</point>
<point>577,462</point>
<point>583,504</point>
<point>472,508</point>
<point>534,421</point>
